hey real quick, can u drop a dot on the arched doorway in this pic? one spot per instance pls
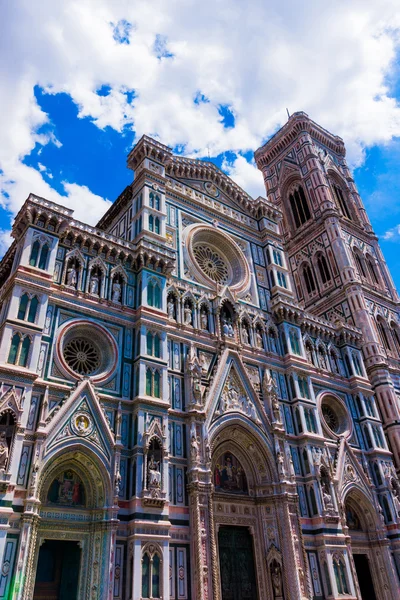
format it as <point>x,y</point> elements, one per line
<point>238,468</point>
<point>71,539</point>
<point>360,520</point>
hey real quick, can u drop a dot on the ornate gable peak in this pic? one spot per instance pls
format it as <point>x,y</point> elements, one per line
<point>154,429</point>
<point>289,171</point>
<point>349,472</point>
<point>181,167</point>
<point>11,403</point>
<point>89,420</point>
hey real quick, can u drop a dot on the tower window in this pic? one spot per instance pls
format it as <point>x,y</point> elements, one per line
<point>28,308</point>
<point>308,279</point>
<point>323,268</point>
<point>19,350</point>
<point>153,294</point>
<point>299,206</point>
<point>372,270</point>
<point>341,202</point>
<point>359,263</point>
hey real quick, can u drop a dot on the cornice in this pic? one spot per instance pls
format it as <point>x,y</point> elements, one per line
<point>297,124</point>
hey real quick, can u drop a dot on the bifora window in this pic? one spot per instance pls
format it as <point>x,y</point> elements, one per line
<point>299,206</point>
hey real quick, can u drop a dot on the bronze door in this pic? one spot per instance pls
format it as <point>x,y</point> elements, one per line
<point>236,559</point>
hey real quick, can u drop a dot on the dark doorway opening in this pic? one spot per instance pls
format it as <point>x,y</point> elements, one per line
<point>236,560</point>
<point>364,577</point>
<point>57,572</point>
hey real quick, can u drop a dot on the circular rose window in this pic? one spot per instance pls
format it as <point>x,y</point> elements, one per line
<point>86,349</point>
<point>215,258</point>
<point>335,416</point>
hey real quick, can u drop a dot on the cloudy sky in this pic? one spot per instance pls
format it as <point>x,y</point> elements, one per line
<point>80,81</point>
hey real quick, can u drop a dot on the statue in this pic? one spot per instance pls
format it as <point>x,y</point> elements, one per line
<point>3,451</point>
<point>327,497</point>
<point>227,328</point>
<point>116,291</point>
<point>94,285</point>
<point>117,483</point>
<point>245,336</point>
<point>317,457</point>
<point>207,450</point>
<point>32,487</point>
<point>72,276</point>
<point>187,315</point>
<point>204,320</point>
<point>281,464</point>
<point>259,340</point>
<point>171,309</point>
<point>276,577</point>
<point>154,473</point>
<point>194,447</point>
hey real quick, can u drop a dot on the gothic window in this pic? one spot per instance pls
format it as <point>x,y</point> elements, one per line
<point>369,406</point>
<point>372,269</point>
<point>281,279</point>
<point>381,325</point>
<point>323,268</point>
<point>151,574</point>
<point>368,441</point>
<point>395,335</point>
<point>153,294</point>
<point>277,257</point>
<point>359,261</point>
<point>314,508</point>
<point>357,364</point>
<point>43,257</point>
<point>157,225</point>
<point>299,206</point>
<point>34,253</point>
<point>348,365</point>
<point>19,350</point>
<point>341,202</point>
<point>154,201</point>
<point>327,579</point>
<point>340,576</point>
<point>151,223</point>
<point>386,510</point>
<point>153,383</point>
<point>308,278</point>
<point>306,461</point>
<point>303,387</point>
<point>359,406</point>
<point>298,420</point>
<point>294,342</point>
<point>28,308</point>
<point>378,436</point>
<point>153,344</point>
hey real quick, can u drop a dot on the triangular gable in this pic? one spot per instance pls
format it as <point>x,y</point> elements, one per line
<point>211,191</point>
<point>80,419</point>
<point>11,402</point>
<point>288,170</point>
<point>349,472</point>
<point>232,392</point>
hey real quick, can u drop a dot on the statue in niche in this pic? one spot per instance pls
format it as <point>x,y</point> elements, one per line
<point>3,451</point>
<point>171,309</point>
<point>187,315</point>
<point>194,444</point>
<point>227,328</point>
<point>327,496</point>
<point>276,578</point>
<point>94,284</point>
<point>245,336</point>
<point>259,340</point>
<point>72,276</point>
<point>281,464</point>
<point>229,475</point>
<point>117,485</point>
<point>271,394</point>
<point>116,291</point>
<point>154,473</point>
<point>204,320</point>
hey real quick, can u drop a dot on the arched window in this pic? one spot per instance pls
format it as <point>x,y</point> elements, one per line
<point>340,575</point>
<point>151,199</point>
<point>382,333</point>
<point>153,383</point>
<point>395,335</point>
<point>314,508</point>
<point>357,364</point>
<point>306,461</point>
<point>43,257</point>
<point>157,352</point>
<point>149,382</point>
<point>151,574</point>
<point>157,225</point>
<point>23,305</point>
<point>14,349</point>
<point>298,421</point>
<point>308,278</point>
<point>157,385</point>
<point>34,254</point>
<point>348,366</point>
<point>341,202</point>
<point>32,310</point>
<point>153,294</point>
<point>28,308</point>
<point>294,342</point>
<point>323,268</point>
<point>359,263</point>
<point>151,223</point>
<point>368,441</point>
<point>149,343</point>
<point>157,202</point>
<point>299,206</point>
<point>372,269</point>
<point>24,353</point>
<point>327,579</point>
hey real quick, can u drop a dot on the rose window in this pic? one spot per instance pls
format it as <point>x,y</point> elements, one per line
<point>214,258</point>
<point>330,417</point>
<point>82,356</point>
<point>212,263</point>
<point>334,416</point>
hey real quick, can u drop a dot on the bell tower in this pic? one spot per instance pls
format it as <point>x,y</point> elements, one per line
<point>338,269</point>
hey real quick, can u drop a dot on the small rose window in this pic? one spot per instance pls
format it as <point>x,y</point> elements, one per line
<point>335,416</point>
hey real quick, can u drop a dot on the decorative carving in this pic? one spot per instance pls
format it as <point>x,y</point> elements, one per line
<point>234,399</point>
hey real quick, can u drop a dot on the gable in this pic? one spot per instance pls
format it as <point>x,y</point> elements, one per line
<point>80,420</point>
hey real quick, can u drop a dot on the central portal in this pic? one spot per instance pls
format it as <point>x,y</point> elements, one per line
<point>57,572</point>
<point>236,559</point>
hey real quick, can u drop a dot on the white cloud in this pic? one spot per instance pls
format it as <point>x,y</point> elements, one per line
<point>329,59</point>
<point>246,175</point>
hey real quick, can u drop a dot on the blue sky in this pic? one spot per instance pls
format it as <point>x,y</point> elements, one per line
<point>81,81</point>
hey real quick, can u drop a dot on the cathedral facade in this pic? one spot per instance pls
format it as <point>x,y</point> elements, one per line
<point>200,395</point>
